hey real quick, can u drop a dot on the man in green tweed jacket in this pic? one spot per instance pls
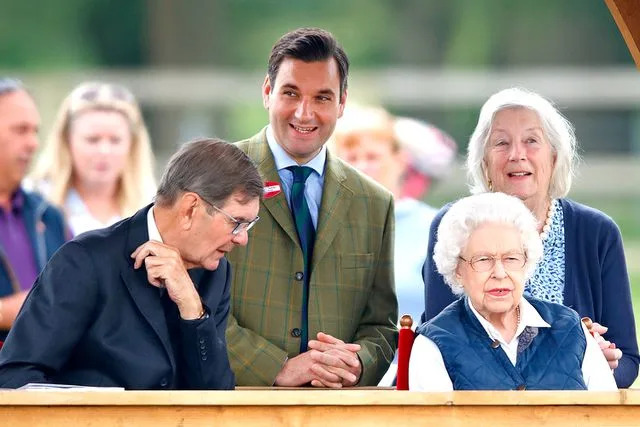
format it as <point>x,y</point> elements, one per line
<point>329,321</point>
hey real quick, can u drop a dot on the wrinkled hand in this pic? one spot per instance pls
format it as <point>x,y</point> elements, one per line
<point>337,362</point>
<point>296,371</point>
<point>308,367</point>
<point>329,362</point>
<point>165,269</point>
<point>609,349</point>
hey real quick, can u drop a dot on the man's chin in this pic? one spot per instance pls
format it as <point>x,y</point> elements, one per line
<point>212,264</point>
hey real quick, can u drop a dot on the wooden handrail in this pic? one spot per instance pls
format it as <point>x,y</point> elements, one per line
<point>269,396</point>
<point>353,407</point>
<point>627,17</point>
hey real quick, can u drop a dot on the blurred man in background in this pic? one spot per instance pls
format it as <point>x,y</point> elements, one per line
<point>320,264</point>
<point>30,229</point>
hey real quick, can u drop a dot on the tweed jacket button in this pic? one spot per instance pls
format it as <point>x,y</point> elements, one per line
<point>164,382</point>
<point>299,275</point>
<point>522,387</point>
<point>295,332</point>
<point>495,344</point>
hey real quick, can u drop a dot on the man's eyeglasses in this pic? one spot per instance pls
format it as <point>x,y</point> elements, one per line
<point>239,225</point>
<point>484,263</point>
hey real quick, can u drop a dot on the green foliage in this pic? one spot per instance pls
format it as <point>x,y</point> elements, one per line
<point>625,211</point>
<point>116,31</point>
<point>246,116</point>
<point>70,33</point>
<point>239,33</point>
<point>45,35</point>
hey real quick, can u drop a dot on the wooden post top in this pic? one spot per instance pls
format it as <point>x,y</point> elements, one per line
<point>406,322</point>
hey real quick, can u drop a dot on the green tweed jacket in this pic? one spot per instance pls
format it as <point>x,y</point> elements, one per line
<point>352,292</point>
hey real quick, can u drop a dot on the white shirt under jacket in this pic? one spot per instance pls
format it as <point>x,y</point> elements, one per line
<point>427,371</point>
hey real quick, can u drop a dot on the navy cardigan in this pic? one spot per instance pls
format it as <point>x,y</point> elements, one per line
<point>596,282</point>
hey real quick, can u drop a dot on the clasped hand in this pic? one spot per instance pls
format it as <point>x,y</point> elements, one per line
<point>329,362</point>
<point>165,269</point>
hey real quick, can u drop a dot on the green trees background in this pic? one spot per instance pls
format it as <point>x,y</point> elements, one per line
<point>238,33</point>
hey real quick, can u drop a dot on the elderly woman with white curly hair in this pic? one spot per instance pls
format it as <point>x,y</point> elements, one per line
<point>524,147</point>
<point>494,338</point>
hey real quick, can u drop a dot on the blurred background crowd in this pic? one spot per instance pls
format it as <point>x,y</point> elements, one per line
<point>421,69</point>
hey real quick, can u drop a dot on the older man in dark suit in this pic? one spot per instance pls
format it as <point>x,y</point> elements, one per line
<point>144,304</point>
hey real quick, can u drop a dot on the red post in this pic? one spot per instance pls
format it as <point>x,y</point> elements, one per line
<point>405,342</point>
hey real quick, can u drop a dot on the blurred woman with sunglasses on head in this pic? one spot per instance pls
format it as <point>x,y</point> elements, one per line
<point>97,163</point>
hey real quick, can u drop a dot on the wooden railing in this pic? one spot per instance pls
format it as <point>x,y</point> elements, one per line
<point>354,407</point>
<point>625,13</point>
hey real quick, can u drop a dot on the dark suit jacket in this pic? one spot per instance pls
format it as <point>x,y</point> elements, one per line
<point>351,290</point>
<point>91,319</point>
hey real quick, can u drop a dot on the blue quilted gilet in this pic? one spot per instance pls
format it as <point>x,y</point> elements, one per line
<point>552,360</point>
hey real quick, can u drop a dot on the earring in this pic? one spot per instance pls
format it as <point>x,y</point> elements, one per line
<point>490,186</point>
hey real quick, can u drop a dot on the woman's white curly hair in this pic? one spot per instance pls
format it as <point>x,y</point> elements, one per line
<point>466,215</point>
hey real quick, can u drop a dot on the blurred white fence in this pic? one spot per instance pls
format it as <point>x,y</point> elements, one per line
<point>601,88</point>
<point>610,88</point>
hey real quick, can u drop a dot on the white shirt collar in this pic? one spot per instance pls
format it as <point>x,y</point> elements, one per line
<point>283,160</point>
<point>152,227</point>
<point>529,316</point>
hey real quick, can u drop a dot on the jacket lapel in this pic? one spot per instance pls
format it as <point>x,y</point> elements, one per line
<point>259,151</point>
<point>336,196</point>
<point>336,199</point>
<point>145,295</point>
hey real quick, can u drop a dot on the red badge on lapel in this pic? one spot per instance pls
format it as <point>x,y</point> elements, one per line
<point>271,189</point>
